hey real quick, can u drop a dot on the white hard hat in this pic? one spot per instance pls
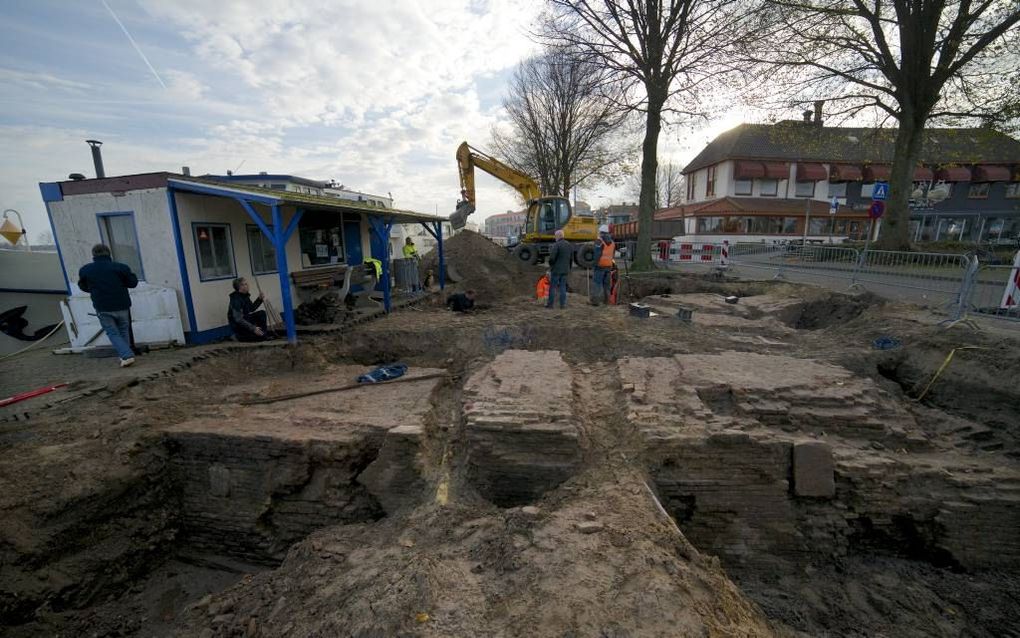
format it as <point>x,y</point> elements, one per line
<point>603,228</point>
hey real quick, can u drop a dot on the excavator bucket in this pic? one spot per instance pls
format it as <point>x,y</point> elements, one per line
<point>459,217</point>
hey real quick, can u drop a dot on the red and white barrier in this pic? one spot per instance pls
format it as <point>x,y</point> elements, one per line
<point>724,256</point>
<point>1011,296</point>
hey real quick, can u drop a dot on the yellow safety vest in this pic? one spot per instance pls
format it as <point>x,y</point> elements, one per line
<point>410,250</point>
<point>377,265</point>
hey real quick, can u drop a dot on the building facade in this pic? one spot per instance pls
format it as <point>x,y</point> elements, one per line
<point>781,181</point>
<point>503,225</point>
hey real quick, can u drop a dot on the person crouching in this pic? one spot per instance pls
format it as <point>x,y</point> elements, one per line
<point>246,320</point>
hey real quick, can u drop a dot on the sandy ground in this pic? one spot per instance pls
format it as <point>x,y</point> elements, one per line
<point>85,550</point>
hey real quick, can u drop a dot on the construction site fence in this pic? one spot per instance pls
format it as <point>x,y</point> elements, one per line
<point>957,284</point>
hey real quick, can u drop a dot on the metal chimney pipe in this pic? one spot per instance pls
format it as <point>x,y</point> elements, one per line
<point>818,112</point>
<point>186,170</point>
<point>97,157</point>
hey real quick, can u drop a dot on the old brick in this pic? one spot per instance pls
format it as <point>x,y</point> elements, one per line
<point>813,471</point>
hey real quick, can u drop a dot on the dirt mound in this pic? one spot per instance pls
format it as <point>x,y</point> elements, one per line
<point>485,266</point>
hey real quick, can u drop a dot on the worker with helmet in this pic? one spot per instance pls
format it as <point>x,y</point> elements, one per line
<point>605,250</point>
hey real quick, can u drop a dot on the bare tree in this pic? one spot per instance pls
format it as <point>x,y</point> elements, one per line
<point>670,185</point>
<point>563,126</point>
<point>659,51</point>
<point>912,61</point>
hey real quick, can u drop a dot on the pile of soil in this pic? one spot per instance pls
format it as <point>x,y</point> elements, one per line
<point>326,309</point>
<point>478,263</point>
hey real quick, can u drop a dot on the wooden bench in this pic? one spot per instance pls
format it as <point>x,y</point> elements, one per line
<point>318,278</point>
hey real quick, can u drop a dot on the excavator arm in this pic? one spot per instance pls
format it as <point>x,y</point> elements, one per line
<point>467,159</point>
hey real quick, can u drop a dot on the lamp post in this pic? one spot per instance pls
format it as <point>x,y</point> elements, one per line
<point>21,223</point>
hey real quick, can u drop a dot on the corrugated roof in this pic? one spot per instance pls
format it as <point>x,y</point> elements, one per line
<point>791,141</point>
<point>307,201</point>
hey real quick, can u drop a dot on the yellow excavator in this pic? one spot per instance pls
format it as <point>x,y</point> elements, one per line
<point>545,215</point>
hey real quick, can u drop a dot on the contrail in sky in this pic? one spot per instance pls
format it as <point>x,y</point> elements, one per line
<point>133,43</point>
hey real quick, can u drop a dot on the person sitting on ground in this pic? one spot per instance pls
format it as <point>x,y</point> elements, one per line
<point>107,281</point>
<point>246,320</point>
<point>461,301</point>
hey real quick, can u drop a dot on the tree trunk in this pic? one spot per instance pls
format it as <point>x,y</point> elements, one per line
<point>649,168</point>
<point>895,233</point>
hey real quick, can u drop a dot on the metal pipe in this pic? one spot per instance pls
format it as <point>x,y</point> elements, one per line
<point>97,157</point>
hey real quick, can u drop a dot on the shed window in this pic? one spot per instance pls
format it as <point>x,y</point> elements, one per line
<point>117,230</point>
<point>1013,190</point>
<point>263,255</point>
<point>215,251</point>
<point>322,240</point>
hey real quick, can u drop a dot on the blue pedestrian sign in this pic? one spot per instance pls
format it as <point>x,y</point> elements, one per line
<point>880,192</point>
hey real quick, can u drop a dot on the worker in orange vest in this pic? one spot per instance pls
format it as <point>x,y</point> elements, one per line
<point>542,288</point>
<point>605,250</point>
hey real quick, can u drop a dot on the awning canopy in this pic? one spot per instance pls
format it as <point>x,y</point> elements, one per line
<point>777,170</point>
<point>811,173</point>
<point>748,170</point>
<point>991,174</point>
<point>923,174</point>
<point>845,173</point>
<point>877,173</point>
<point>955,174</point>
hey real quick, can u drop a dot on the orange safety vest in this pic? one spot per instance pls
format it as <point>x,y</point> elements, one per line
<point>608,250</point>
<point>542,288</point>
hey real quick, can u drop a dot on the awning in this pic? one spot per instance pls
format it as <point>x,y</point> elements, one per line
<point>777,170</point>
<point>877,173</point>
<point>923,174</point>
<point>956,174</point>
<point>811,173</point>
<point>748,170</point>
<point>991,174</point>
<point>845,173</point>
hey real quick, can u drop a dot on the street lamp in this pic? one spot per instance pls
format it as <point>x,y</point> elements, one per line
<point>8,230</point>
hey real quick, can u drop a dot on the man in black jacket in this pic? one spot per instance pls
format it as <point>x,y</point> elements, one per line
<point>560,256</point>
<point>249,323</point>
<point>107,281</point>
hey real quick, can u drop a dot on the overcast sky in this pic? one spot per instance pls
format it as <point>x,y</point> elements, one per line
<point>375,94</point>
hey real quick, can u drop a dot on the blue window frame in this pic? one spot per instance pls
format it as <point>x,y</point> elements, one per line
<point>118,231</point>
<point>214,250</point>
<point>261,251</point>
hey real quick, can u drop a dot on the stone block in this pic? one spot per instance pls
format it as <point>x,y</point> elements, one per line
<point>813,470</point>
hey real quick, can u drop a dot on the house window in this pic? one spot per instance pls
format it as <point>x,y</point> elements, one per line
<point>805,189</point>
<point>1013,190</point>
<point>769,187</point>
<point>734,225</point>
<point>742,186</point>
<point>322,240</point>
<point>709,224</point>
<point>117,230</point>
<point>691,185</point>
<point>789,225</point>
<point>215,251</point>
<point>818,226</point>
<point>837,189</point>
<point>261,251</point>
<point>978,190</point>
<point>710,186</point>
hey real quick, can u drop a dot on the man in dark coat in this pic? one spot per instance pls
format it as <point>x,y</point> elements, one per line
<point>248,322</point>
<point>560,256</point>
<point>107,281</point>
<point>461,301</point>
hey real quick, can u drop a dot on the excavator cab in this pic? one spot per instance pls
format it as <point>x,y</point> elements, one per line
<point>546,215</point>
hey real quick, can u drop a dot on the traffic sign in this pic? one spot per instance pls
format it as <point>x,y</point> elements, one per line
<point>833,206</point>
<point>876,210</point>
<point>880,192</point>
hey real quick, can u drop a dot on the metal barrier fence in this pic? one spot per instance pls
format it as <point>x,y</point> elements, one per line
<point>958,284</point>
<point>993,291</point>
